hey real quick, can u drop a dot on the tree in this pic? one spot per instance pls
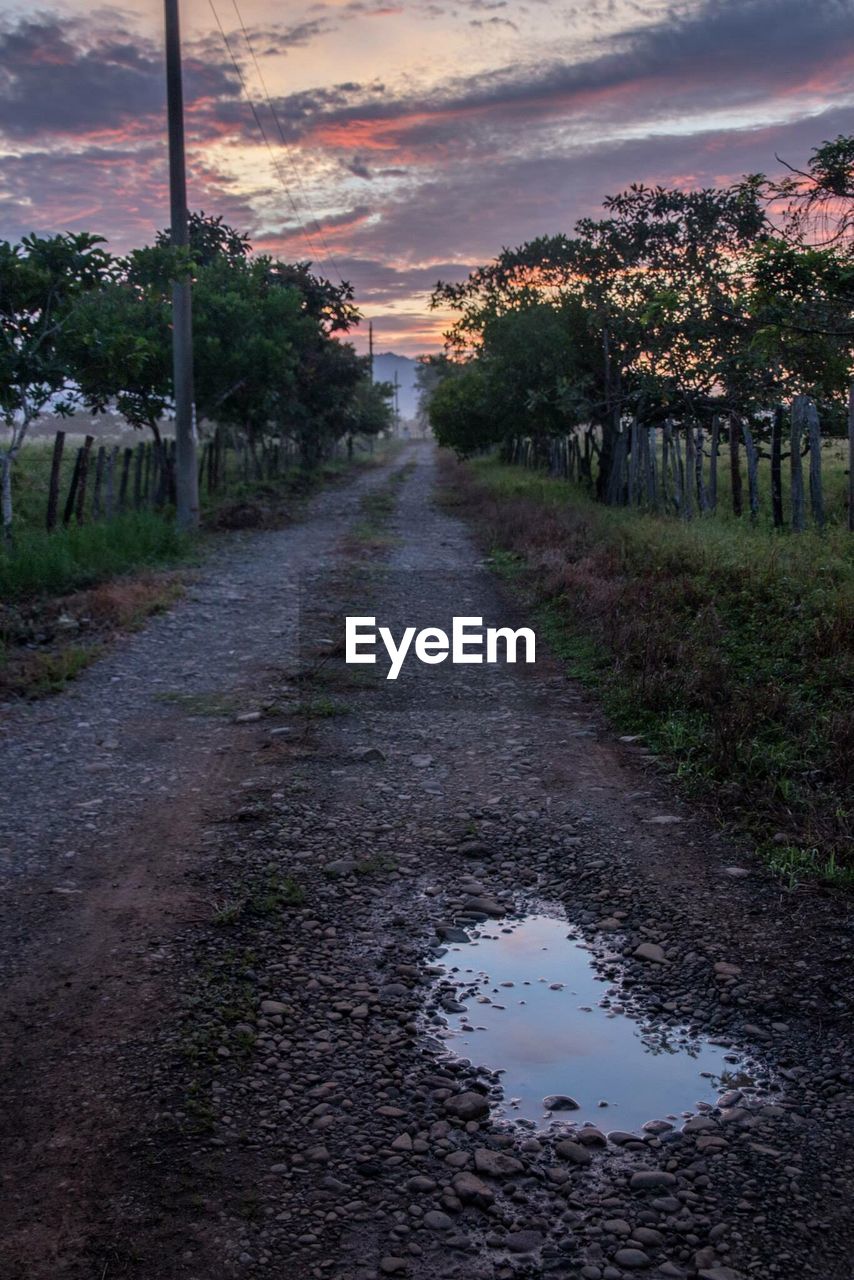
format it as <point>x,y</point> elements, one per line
<point>42,281</point>
<point>460,411</point>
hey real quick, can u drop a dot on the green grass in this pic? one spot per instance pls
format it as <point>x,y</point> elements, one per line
<point>42,563</point>
<point>726,645</point>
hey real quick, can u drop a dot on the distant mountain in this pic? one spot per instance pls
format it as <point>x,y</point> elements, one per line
<point>385,367</point>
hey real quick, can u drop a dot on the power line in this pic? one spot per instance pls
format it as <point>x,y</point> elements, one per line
<point>311,247</point>
<point>274,113</point>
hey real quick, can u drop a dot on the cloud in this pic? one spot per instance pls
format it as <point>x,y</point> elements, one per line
<point>721,52</point>
<point>67,77</point>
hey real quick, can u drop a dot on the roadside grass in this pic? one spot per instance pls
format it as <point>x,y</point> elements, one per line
<point>42,563</point>
<point>46,643</point>
<point>44,575</point>
<point>728,647</point>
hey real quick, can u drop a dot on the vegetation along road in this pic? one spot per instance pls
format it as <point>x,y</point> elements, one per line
<point>242,885</point>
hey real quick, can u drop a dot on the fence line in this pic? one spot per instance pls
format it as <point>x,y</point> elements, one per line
<point>680,475</point>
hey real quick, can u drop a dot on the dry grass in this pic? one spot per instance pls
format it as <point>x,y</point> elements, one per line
<point>45,643</point>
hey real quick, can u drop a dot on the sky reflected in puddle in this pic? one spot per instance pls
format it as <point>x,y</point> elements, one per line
<point>536,1010</point>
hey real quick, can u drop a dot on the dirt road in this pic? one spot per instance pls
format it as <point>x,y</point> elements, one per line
<point>230,866</point>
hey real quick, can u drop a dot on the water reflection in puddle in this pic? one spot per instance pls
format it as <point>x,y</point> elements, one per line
<point>536,1011</point>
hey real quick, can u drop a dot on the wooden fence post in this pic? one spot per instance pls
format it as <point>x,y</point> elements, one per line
<point>137,477</point>
<point>690,480</point>
<point>99,480</point>
<point>816,496</point>
<point>634,462</point>
<point>797,472</point>
<point>714,451</point>
<point>109,504</point>
<point>777,467</point>
<point>55,472</point>
<point>735,466</point>
<point>72,490</point>
<point>80,510</point>
<point>123,486</point>
<point>752,470</point>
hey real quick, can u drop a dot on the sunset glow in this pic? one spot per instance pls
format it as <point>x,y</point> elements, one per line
<point>420,137</point>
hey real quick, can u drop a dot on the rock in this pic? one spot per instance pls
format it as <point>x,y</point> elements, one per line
<point>657,1126</point>
<point>719,1273</point>
<point>560,1102</point>
<point>723,969</point>
<point>590,1136</point>
<point>524,1241</point>
<point>420,762</point>
<point>574,1152</point>
<point>736,873</point>
<point>633,1259</point>
<point>645,1179</point>
<point>435,1220</point>
<point>391,1266</point>
<point>469,1187</point>
<point>663,820</point>
<point>451,933</point>
<point>495,1164</point>
<point>402,1142</point>
<point>273,1007</point>
<point>365,755</point>
<point>619,1137</point>
<point>467,1106</point>
<point>617,1227</point>
<point>247,717</point>
<point>649,951</point>
<point>473,849</point>
<point>487,905</point>
<point>699,1124</point>
<point>340,867</point>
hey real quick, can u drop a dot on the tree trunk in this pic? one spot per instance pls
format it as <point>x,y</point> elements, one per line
<point>797,472</point>
<point>53,485</point>
<point>777,467</point>
<point>735,467</point>
<point>714,450</point>
<point>690,475</point>
<point>816,496</point>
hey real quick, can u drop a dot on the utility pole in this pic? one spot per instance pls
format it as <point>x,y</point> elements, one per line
<point>187,484</point>
<point>371,346</point>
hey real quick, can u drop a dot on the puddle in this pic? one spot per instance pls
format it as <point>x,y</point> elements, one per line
<point>537,1012</point>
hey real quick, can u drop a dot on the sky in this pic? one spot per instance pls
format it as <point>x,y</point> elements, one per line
<point>410,141</point>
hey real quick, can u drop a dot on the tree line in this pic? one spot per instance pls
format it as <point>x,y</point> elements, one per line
<point>625,354</point>
<point>81,328</point>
